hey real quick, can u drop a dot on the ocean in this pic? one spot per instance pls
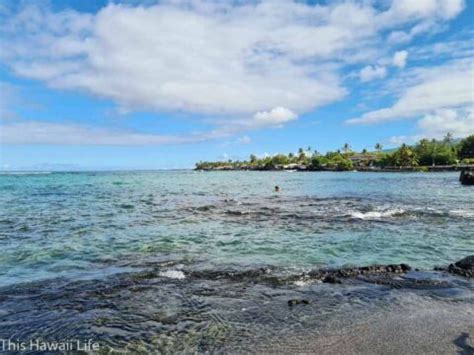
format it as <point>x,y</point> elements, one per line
<point>192,261</point>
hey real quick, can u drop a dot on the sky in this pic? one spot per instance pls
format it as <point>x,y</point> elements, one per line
<point>163,84</point>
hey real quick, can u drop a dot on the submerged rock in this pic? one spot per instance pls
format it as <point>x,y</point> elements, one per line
<point>330,279</point>
<point>294,302</point>
<point>273,277</point>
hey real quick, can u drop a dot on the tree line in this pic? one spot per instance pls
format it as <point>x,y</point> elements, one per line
<point>425,153</point>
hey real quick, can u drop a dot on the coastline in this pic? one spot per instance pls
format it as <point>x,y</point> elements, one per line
<point>302,168</point>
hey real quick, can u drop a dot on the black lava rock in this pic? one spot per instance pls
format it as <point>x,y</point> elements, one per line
<point>467,263</point>
<point>294,302</point>
<point>330,279</point>
<point>463,267</point>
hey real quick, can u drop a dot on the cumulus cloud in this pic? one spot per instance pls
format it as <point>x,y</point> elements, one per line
<point>399,37</point>
<point>243,65</point>
<point>403,10</point>
<point>442,87</point>
<point>189,56</point>
<point>458,122</point>
<point>275,116</point>
<point>204,57</point>
<point>429,13</point>
<point>370,73</point>
<point>400,59</point>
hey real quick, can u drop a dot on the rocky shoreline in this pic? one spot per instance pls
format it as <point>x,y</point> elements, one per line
<point>386,275</point>
<point>463,267</point>
<point>249,311</point>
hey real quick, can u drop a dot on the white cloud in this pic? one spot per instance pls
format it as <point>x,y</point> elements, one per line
<point>405,10</point>
<point>206,57</point>
<point>400,59</point>
<point>459,123</point>
<point>241,65</point>
<point>275,116</point>
<point>244,140</point>
<point>194,56</point>
<point>443,87</point>
<point>430,15</point>
<point>37,132</point>
<point>457,46</point>
<point>427,26</point>
<point>399,140</point>
<point>370,73</point>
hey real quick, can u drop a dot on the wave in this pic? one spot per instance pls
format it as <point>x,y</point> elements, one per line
<point>462,213</point>
<point>314,210</point>
<point>378,214</point>
<point>305,282</point>
<point>173,274</point>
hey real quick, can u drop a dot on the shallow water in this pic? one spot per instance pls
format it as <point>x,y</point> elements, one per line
<point>118,253</point>
<point>86,224</point>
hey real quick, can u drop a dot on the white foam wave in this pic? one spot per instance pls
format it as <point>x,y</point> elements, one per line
<point>462,213</point>
<point>173,274</point>
<point>301,283</point>
<point>377,214</point>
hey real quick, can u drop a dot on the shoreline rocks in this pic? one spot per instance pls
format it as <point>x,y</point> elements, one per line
<point>332,276</point>
<point>463,267</point>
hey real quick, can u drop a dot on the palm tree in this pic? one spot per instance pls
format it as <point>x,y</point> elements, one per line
<point>346,148</point>
<point>448,138</point>
<point>405,156</point>
<point>301,154</point>
<point>378,147</point>
<point>433,152</point>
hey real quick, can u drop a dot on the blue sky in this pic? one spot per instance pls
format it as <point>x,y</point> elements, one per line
<point>163,84</point>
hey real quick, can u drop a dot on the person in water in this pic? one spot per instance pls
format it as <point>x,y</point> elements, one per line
<point>277,188</point>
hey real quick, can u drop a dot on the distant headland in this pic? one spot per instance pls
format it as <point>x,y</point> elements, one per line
<point>427,155</point>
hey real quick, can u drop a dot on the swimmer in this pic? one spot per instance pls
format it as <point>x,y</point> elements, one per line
<point>277,188</point>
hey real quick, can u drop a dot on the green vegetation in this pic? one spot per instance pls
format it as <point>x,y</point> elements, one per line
<point>426,153</point>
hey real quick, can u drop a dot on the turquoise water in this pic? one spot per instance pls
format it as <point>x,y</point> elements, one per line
<point>207,262</point>
<point>94,224</point>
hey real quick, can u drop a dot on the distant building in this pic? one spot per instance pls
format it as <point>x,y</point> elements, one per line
<point>363,159</point>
